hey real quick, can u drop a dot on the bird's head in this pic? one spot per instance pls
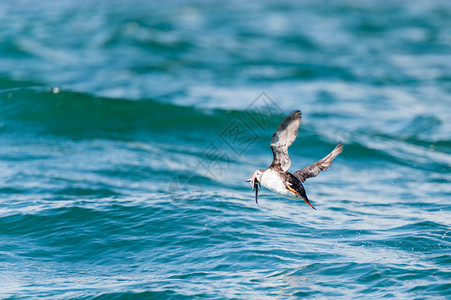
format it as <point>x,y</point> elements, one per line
<point>256,178</point>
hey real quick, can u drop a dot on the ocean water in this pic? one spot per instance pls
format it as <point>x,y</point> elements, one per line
<point>127,129</point>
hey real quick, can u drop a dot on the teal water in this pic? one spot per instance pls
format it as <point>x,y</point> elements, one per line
<point>127,129</point>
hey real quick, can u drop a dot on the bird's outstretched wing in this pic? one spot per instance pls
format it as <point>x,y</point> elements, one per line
<point>321,165</point>
<point>282,139</point>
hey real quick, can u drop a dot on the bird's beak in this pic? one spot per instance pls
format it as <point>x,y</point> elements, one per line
<point>252,181</point>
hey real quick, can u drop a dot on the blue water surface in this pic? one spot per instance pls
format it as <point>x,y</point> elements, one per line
<point>128,128</point>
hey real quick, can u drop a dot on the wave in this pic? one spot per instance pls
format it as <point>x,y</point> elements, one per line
<point>73,115</point>
<point>65,112</point>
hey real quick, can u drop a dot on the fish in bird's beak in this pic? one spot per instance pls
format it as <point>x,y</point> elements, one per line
<point>254,184</point>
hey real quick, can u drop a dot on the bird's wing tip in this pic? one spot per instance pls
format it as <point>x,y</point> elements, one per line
<point>339,147</point>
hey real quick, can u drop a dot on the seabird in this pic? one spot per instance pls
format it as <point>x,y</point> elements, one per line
<point>276,177</point>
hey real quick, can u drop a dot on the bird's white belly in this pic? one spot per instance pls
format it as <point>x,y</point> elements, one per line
<point>272,181</point>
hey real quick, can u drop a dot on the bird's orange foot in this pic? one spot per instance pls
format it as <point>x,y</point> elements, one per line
<point>292,190</point>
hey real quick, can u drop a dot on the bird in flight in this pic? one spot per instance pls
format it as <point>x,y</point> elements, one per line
<point>276,177</point>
